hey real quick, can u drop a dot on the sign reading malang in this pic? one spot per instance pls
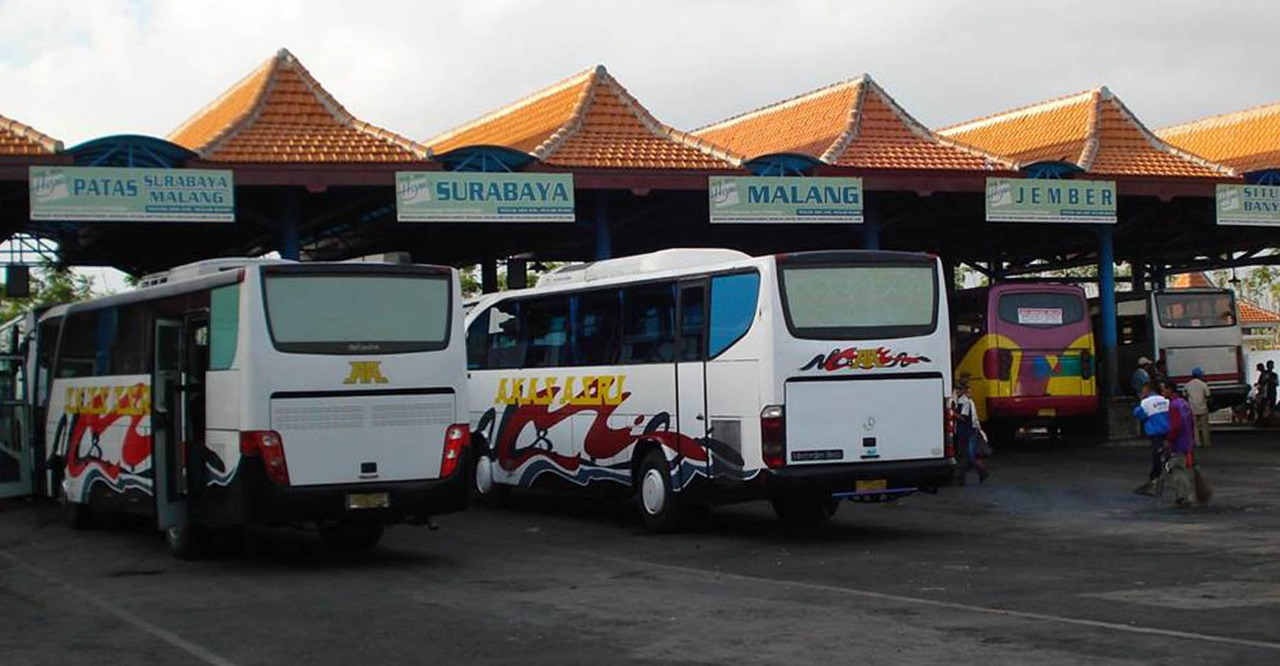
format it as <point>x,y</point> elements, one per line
<point>113,194</point>
<point>766,199</point>
<point>433,196</point>
<point>1250,205</point>
<point>1041,200</point>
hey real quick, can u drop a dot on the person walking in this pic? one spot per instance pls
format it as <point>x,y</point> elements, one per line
<point>1198,393</point>
<point>959,437</point>
<point>1272,381</point>
<point>1260,411</point>
<point>1141,375</point>
<point>1153,414</point>
<point>969,434</point>
<point>1178,445</point>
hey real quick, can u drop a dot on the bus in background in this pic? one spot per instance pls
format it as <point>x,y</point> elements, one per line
<point>1196,327</point>
<point>1027,349</point>
<point>689,378</point>
<point>238,392</point>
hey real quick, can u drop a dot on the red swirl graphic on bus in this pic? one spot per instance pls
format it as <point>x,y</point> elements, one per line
<point>863,358</point>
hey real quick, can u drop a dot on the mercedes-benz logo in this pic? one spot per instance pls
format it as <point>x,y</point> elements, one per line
<point>869,424</point>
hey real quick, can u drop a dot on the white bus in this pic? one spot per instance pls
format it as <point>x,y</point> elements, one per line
<point>237,392</point>
<point>695,377</point>
<point>1191,328</point>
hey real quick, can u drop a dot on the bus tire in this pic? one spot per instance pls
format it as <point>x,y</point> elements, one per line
<point>184,539</point>
<point>659,506</point>
<point>482,488</point>
<point>76,515</point>
<point>351,535</point>
<point>805,508</point>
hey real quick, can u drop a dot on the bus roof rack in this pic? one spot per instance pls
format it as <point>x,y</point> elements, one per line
<point>196,269</point>
<point>652,262</point>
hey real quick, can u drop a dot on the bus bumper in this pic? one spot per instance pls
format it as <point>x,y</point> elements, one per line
<point>926,475</point>
<point>405,501</point>
<point>1052,406</point>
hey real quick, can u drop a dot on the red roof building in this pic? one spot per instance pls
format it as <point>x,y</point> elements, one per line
<point>18,140</point>
<point>1246,140</point>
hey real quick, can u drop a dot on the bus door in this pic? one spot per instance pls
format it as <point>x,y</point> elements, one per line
<point>691,367</point>
<point>195,363</point>
<point>167,424</point>
<point>15,453</point>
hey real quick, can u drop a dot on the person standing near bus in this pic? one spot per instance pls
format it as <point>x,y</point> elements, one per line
<point>1140,376</point>
<point>1178,446</point>
<point>1271,382</point>
<point>969,434</point>
<point>1198,393</point>
<point>1153,413</point>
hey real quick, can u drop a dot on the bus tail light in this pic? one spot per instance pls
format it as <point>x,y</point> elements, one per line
<point>997,364</point>
<point>268,445</point>
<point>1086,364</point>
<point>949,419</point>
<point>773,438</point>
<point>456,437</point>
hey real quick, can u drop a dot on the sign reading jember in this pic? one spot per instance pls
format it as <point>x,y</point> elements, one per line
<point>1042,200</point>
<point>433,196</point>
<point>113,194</point>
<point>739,199</point>
<point>1250,205</point>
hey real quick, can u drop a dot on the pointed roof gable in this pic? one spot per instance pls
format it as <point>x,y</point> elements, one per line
<point>1252,313</point>
<point>1191,281</point>
<point>587,120</point>
<point>1093,130</point>
<point>854,123</point>
<point>279,113</point>
<point>1247,140</point>
<point>17,139</point>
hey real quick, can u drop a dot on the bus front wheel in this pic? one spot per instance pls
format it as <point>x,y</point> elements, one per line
<point>483,488</point>
<point>659,506</point>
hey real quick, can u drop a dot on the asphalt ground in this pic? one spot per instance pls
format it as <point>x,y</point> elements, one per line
<point>1052,561</point>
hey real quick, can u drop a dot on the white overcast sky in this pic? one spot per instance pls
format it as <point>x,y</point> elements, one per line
<point>82,69</point>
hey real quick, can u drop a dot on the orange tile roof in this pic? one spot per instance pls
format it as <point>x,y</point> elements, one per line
<point>1191,281</point>
<point>279,113</point>
<point>855,124</point>
<point>588,120</point>
<point>1251,313</point>
<point>17,139</point>
<point>1092,129</point>
<point>1247,140</point>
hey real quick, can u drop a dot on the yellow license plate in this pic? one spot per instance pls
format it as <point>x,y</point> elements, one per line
<point>1047,411</point>
<point>870,485</point>
<point>368,501</point>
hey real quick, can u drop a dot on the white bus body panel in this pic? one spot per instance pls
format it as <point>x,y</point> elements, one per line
<point>876,419</point>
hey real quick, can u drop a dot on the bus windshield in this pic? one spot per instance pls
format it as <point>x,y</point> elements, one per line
<point>1040,309</point>
<point>859,302</point>
<point>357,314</point>
<point>1196,310</point>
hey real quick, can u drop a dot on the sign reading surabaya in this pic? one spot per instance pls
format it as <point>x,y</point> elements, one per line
<point>433,196</point>
<point>1042,200</point>
<point>764,199</point>
<point>1251,205</point>
<point>112,194</point>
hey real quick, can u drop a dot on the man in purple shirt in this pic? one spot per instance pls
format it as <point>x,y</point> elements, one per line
<point>1178,445</point>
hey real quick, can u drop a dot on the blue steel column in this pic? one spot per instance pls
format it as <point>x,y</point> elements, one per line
<point>870,229</point>
<point>1107,309</point>
<point>604,245</point>
<point>289,226</point>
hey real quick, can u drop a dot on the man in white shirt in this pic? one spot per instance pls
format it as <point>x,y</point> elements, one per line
<point>1198,395</point>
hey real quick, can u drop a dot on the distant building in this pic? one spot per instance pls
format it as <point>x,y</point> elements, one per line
<point>1261,326</point>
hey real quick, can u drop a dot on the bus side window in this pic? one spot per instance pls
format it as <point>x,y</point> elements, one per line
<point>478,341</point>
<point>506,342</point>
<point>733,309</point>
<point>78,353</point>
<point>597,326</point>
<point>547,330</point>
<point>129,349</point>
<point>224,326</point>
<point>648,326</point>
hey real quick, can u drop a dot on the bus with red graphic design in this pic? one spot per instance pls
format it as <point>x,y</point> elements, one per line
<point>240,392</point>
<point>692,377</point>
<point>1027,351</point>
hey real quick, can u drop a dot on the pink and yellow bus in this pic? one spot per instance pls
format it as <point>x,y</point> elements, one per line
<point>1028,352</point>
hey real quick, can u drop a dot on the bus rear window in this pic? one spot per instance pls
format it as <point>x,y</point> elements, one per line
<point>357,314</point>
<point>1196,310</point>
<point>859,302</point>
<point>1040,310</point>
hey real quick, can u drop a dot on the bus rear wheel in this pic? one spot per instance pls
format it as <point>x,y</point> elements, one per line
<point>805,509</point>
<point>77,516</point>
<point>351,535</point>
<point>185,540</point>
<point>659,506</point>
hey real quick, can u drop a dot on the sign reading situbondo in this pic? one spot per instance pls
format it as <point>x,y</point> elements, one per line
<point>1250,205</point>
<point>1037,200</point>
<point>111,194</point>
<point>483,197</point>
<point>768,199</point>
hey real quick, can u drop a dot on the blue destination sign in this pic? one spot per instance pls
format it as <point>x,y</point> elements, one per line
<point>110,194</point>
<point>1036,200</point>
<point>737,199</point>
<point>431,196</point>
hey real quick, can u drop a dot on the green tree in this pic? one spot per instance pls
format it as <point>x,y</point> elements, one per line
<point>50,284</point>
